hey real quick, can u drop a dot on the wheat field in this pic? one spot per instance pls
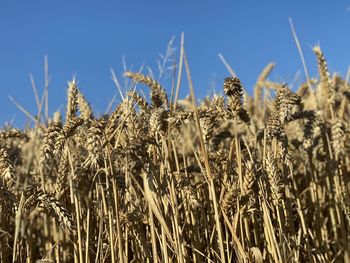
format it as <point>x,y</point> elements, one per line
<point>232,178</point>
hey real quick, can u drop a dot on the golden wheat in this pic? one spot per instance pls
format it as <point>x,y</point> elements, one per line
<point>232,179</point>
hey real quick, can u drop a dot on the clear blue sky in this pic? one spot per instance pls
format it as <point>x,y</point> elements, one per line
<point>87,38</point>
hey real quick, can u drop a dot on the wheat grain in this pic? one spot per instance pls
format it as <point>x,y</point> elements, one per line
<point>158,95</point>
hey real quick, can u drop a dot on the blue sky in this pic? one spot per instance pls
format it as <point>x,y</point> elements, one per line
<point>88,38</point>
